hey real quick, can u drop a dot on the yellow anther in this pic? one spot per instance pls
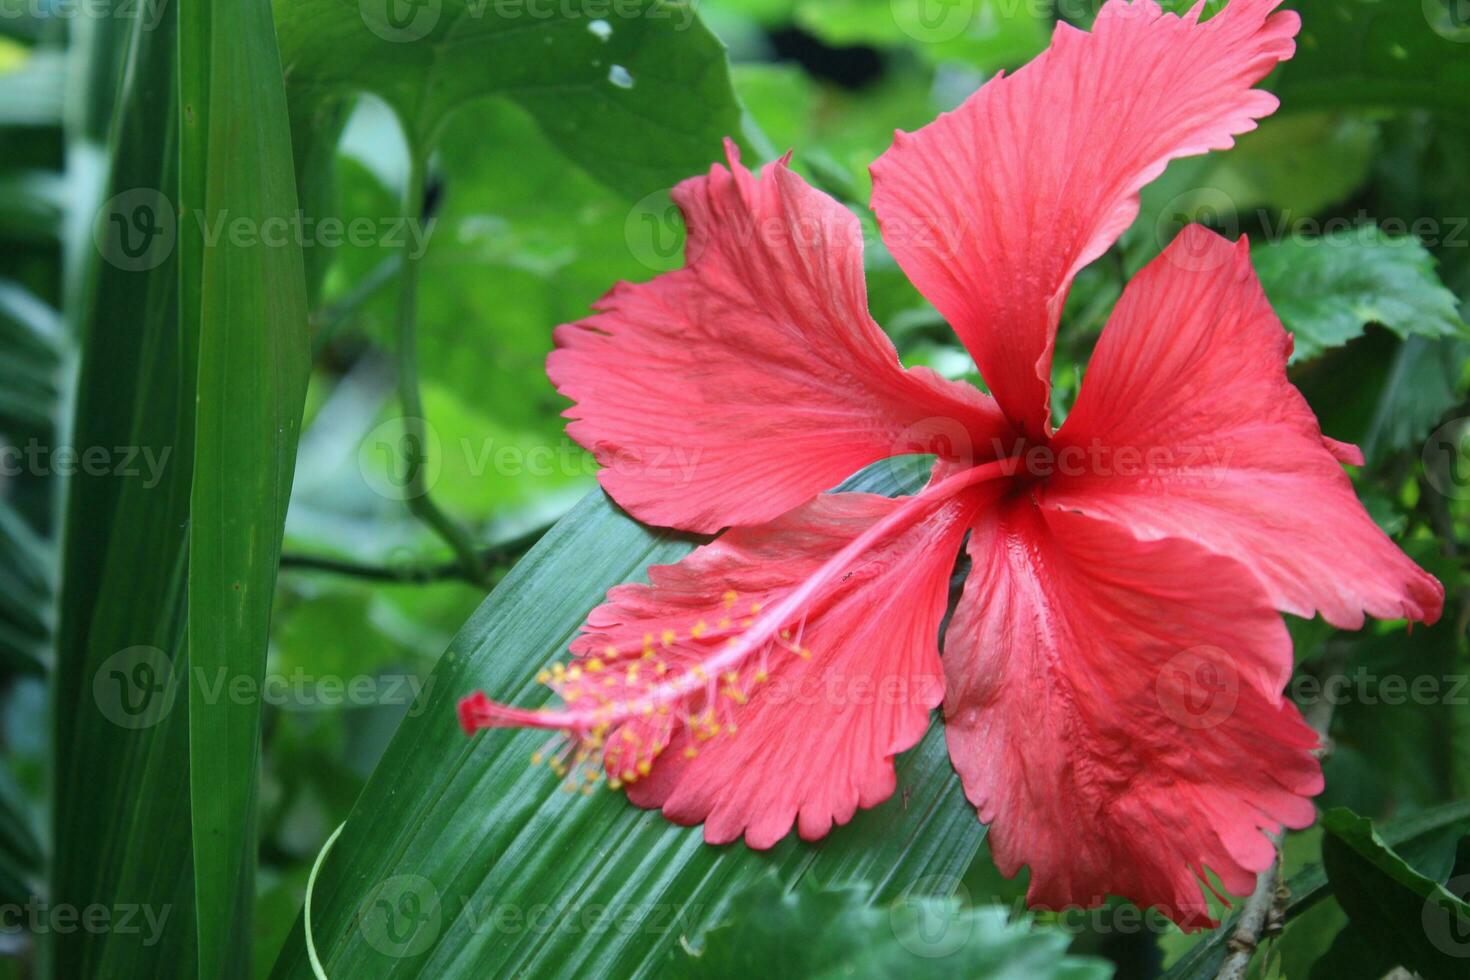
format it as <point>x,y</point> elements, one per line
<point>785,634</point>
<point>535,758</point>
<point>697,630</point>
<point>730,597</point>
<point>731,677</point>
<point>761,677</point>
<point>610,652</point>
<point>543,676</point>
<point>747,622</point>
<point>668,638</point>
<point>690,752</point>
<point>660,668</point>
<point>755,607</point>
<point>644,767</point>
<point>575,674</point>
<point>699,674</point>
<point>571,694</point>
<point>594,665</point>
<point>724,623</point>
<point>805,653</point>
<point>614,784</point>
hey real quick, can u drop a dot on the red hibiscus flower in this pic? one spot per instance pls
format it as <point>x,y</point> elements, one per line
<point>1112,675</point>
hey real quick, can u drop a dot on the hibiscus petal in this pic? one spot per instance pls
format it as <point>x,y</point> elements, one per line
<point>993,208</point>
<point>803,729</point>
<point>816,739</point>
<point>1187,426</point>
<point>734,389</point>
<point>1114,711</point>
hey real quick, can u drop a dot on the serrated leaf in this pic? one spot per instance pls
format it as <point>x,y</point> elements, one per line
<point>1309,886</point>
<point>824,934</point>
<point>1326,289</point>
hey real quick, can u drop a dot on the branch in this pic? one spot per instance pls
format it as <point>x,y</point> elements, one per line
<point>494,556</point>
<point>417,490</point>
<point>1263,911</point>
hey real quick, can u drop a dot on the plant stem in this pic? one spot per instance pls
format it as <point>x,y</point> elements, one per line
<point>495,555</point>
<point>419,501</point>
<point>1264,908</point>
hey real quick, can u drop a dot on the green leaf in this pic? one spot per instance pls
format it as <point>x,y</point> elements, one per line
<point>1378,53</point>
<point>1310,886</point>
<point>470,839</point>
<point>638,93</point>
<point>121,812</point>
<point>1328,288</point>
<point>816,933</point>
<point>248,300</point>
<point>1420,922</point>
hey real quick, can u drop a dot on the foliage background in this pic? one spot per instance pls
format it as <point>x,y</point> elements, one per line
<point>544,175</point>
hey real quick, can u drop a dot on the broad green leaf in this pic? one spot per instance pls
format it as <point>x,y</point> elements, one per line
<point>246,298</point>
<point>1414,917</point>
<point>121,827</point>
<point>1326,289</point>
<point>465,835</point>
<point>1378,53</point>
<point>826,934</point>
<point>637,93</point>
<point>1309,886</point>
